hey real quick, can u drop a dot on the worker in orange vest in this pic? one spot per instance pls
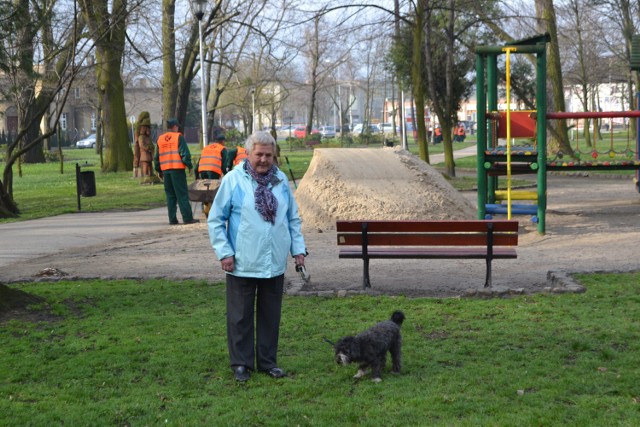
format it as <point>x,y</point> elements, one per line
<point>213,160</point>
<point>171,159</point>
<point>235,157</point>
<point>241,154</point>
<point>460,133</point>
<point>437,139</point>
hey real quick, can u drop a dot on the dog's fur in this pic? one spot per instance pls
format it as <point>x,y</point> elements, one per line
<point>369,348</point>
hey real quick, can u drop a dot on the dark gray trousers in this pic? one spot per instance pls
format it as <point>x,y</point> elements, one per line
<point>246,297</point>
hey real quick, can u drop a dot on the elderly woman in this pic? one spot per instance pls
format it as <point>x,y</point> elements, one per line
<point>253,227</point>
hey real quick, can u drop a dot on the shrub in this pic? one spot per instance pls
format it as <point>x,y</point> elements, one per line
<point>233,136</point>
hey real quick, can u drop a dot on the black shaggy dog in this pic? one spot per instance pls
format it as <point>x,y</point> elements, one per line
<point>369,348</point>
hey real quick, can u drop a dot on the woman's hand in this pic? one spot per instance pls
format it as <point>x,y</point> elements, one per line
<point>228,264</point>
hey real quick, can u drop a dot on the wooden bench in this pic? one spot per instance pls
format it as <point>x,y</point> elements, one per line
<point>474,239</point>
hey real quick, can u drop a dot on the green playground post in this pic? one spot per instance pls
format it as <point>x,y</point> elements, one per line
<point>492,105</point>
<point>541,138</point>
<point>481,135</point>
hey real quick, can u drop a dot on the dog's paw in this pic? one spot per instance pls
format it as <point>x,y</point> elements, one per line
<point>377,380</point>
<point>361,373</point>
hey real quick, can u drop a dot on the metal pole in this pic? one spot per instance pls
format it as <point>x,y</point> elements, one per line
<point>78,185</point>
<point>203,100</point>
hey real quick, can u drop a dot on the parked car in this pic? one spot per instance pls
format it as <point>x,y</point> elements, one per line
<point>88,142</point>
<point>301,131</point>
<point>286,131</point>
<point>386,127</point>
<point>327,131</point>
<point>358,129</point>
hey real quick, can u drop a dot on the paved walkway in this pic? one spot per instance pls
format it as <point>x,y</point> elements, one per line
<point>30,239</point>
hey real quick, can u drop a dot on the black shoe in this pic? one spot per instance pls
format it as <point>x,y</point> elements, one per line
<point>241,373</point>
<point>173,223</point>
<point>193,221</point>
<point>275,373</point>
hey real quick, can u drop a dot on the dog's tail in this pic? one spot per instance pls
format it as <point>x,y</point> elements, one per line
<point>397,317</point>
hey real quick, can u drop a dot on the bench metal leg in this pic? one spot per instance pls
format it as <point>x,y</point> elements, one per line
<point>366,283</point>
<point>487,281</point>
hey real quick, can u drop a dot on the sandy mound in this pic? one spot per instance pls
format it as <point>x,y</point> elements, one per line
<point>375,183</point>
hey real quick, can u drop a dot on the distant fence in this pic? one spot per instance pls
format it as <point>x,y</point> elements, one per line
<point>69,137</point>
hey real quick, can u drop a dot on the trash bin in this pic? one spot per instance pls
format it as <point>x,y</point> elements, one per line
<point>87,184</point>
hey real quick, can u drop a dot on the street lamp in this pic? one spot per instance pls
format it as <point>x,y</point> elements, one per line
<point>198,8</point>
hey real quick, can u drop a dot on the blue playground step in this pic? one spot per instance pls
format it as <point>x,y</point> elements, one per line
<point>493,208</point>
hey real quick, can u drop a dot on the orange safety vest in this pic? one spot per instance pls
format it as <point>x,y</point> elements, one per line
<point>240,156</point>
<point>168,153</point>
<point>211,159</point>
<point>438,132</point>
<point>460,131</point>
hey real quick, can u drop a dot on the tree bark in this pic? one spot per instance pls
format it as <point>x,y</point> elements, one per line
<point>169,73</point>
<point>546,14</point>
<point>109,54</point>
<point>315,60</point>
<point>417,65</point>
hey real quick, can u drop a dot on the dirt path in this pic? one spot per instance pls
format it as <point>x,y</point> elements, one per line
<point>592,225</point>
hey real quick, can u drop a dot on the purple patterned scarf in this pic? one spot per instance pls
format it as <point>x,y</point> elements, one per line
<point>266,202</point>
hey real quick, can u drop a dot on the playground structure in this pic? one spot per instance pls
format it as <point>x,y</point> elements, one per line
<point>529,128</point>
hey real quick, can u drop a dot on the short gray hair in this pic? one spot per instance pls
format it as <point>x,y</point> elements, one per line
<point>261,138</point>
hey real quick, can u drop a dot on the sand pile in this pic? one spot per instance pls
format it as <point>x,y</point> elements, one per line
<point>375,183</point>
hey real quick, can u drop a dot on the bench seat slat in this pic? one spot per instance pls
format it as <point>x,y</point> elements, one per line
<point>427,226</point>
<point>428,253</point>
<point>434,239</point>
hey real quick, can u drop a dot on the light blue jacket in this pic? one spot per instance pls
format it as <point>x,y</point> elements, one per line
<point>236,228</point>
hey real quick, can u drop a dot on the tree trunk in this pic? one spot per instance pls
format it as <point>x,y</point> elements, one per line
<point>8,207</point>
<point>628,31</point>
<point>315,60</point>
<point>547,22</point>
<point>169,73</point>
<point>25,119</point>
<point>119,156</point>
<point>109,54</point>
<point>417,64</point>
<point>450,111</point>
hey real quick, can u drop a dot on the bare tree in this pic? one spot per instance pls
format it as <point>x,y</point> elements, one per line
<point>33,81</point>
<point>107,22</point>
<point>580,46</point>
<point>620,20</point>
<point>314,53</point>
<point>545,12</point>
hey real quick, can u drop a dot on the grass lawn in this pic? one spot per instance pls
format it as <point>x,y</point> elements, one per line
<point>154,353</point>
<point>43,190</point>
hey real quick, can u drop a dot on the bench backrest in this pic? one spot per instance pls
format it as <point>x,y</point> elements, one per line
<point>427,233</point>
